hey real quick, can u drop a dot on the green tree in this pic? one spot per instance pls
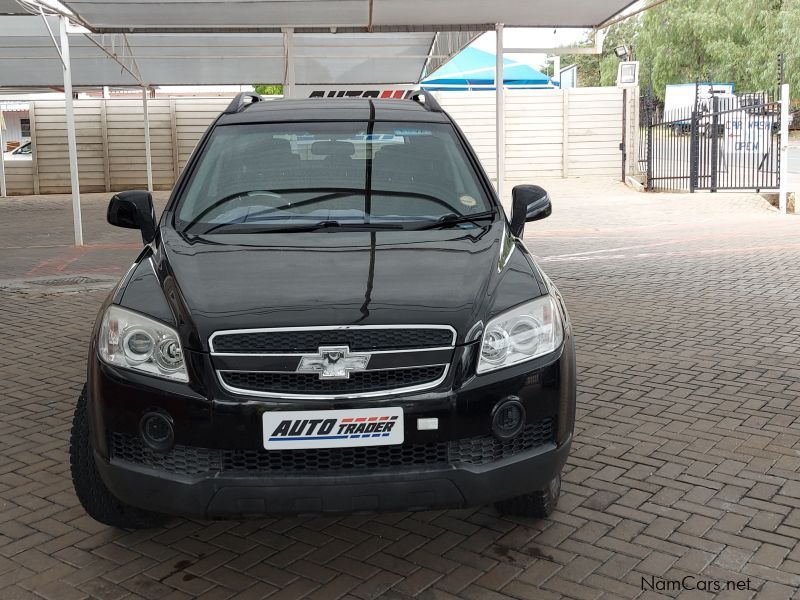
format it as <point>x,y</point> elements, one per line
<point>790,26</point>
<point>734,41</point>
<point>269,89</point>
<point>681,41</point>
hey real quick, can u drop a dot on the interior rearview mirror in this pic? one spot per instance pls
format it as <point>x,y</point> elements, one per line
<point>134,210</point>
<point>529,203</point>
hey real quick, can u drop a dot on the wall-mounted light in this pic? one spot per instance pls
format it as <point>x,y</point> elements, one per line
<point>622,52</point>
<point>628,74</point>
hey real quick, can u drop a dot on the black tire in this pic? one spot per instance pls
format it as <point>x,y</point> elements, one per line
<point>536,505</point>
<point>96,499</point>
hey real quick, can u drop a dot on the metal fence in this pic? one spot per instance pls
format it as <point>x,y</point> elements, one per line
<point>722,142</point>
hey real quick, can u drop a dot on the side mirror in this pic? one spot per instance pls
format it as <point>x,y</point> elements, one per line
<point>134,210</point>
<point>529,203</point>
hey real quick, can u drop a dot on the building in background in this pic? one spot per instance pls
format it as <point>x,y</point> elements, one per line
<point>16,123</point>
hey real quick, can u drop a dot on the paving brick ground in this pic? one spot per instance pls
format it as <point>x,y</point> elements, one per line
<point>686,461</point>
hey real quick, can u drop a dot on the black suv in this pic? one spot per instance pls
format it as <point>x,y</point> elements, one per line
<point>333,314</point>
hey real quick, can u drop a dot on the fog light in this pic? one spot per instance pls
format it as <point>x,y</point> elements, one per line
<point>508,418</point>
<point>157,432</point>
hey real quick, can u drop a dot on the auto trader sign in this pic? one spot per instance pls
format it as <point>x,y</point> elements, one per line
<point>378,92</point>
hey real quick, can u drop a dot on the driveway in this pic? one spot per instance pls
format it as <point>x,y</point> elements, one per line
<point>684,468</point>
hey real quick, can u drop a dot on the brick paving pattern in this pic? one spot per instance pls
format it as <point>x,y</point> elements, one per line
<point>686,311</point>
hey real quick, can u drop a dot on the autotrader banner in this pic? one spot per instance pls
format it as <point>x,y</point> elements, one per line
<point>378,91</point>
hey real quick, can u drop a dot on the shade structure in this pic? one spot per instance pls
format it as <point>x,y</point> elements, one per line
<point>174,42</point>
<point>168,42</point>
<point>474,69</point>
<point>28,58</point>
<point>12,7</point>
<point>133,16</point>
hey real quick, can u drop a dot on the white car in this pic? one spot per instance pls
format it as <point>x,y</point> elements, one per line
<point>23,152</point>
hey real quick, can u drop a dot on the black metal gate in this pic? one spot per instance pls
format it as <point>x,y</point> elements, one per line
<point>723,142</point>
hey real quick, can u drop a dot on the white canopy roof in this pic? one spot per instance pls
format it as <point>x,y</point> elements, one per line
<point>11,7</point>
<point>216,42</point>
<point>360,15</point>
<point>29,58</point>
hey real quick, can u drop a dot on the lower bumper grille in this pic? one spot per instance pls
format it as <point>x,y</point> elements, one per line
<point>192,460</point>
<point>187,460</point>
<point>485,449</point>
<point>334,459</point>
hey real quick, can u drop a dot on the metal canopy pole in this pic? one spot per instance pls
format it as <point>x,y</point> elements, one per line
<point>783,174</point>
<point>71,143</point>
<point>500,117</point>
<point>557,68</point>
<point>288,50</point>
<point>148,156</point>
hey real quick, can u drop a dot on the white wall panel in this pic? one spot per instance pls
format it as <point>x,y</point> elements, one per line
<point>110,137</point>
<point>535,136</point>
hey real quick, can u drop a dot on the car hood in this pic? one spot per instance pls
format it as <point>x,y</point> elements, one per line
<point>455,277</point>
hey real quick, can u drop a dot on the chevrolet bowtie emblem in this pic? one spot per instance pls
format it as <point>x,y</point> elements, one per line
<point>333,362</point>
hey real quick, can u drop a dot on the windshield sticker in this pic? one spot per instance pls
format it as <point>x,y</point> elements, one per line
<point>467,200</point>
<point>407,132</point>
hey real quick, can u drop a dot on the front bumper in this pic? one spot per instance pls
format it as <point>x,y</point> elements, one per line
<point>215,423</point>
<point>376,491</point>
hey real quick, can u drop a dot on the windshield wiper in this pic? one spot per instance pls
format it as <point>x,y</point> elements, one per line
<point>451,219</point>
<point>220,202</point>
<point>345,226</point>
<point>335,193</point>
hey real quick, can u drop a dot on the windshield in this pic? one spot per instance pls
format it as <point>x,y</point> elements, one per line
<point>262,177</point>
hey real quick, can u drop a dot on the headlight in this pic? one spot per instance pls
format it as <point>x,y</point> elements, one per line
<point>133,341</point>
<point>522,333</point>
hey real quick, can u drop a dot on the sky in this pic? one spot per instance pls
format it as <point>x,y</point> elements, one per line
<point>527,37</point>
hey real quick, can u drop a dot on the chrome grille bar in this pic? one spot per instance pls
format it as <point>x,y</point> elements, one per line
<point>277,374</point>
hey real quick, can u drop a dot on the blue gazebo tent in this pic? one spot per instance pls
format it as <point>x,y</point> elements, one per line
<point>474,69</point>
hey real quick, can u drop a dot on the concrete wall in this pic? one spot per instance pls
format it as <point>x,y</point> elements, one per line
<point>550,133</point>
<point>110,138</point>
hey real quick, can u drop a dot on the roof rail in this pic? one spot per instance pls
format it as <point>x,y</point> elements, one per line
<point>426,99</point>
<point>238,104</point>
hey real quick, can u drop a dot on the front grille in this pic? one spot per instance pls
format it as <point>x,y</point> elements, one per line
<point>190,460</point>
<point>309,383</point>
<point>357,339</point>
